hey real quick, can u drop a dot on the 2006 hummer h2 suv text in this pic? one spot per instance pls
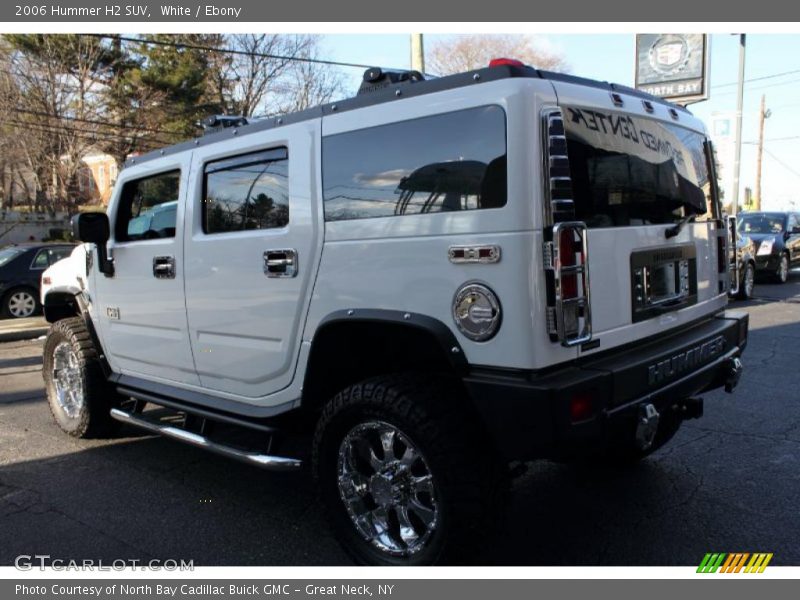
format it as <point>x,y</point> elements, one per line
<point>409,290</point>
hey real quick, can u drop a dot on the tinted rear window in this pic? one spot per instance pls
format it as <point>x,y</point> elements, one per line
<point>450,162</point>
<point>629,170</point>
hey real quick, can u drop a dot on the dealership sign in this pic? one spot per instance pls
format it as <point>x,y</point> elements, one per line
<point>673,66</point>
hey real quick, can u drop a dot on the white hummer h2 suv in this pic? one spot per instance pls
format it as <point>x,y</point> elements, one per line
<point>408,290</point>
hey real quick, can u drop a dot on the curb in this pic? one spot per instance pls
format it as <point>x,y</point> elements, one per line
<point>29,333</point>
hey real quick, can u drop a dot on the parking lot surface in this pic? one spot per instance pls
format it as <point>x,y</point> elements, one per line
<point>728,482</point>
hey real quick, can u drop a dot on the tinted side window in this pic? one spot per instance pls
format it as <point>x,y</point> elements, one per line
<point>40,262</point>
<point>147,207</point>
<point>56,254</point>
<point>450,162</point>
<point>249,191</point>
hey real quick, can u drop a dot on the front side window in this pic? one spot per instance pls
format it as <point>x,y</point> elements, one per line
<point>247,192</point>
<point>442,163</point>
<point>148,207</point>
<point>629,170</point>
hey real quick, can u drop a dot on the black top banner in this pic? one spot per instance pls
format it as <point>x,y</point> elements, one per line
<point>105,11</point>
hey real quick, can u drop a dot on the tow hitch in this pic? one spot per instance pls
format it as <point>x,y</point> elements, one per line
<point>646,426</point>
<point>734,369</point>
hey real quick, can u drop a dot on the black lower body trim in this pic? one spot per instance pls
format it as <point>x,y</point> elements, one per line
<point>530,415</point>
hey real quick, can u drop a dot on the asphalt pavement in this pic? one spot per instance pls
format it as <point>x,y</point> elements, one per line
<point>729,482</point>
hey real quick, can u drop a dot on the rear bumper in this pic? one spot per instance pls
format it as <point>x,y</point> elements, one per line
<point>528,414</point>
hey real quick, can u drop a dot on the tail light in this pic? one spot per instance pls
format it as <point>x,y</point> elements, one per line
<point>732,256</point>
<point>567,257</point>
<point>581,407</point>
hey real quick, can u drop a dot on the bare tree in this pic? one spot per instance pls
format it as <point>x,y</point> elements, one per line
<point>241,82</point>
<point>51,99</point>
<point>271,76</point>
<point>461,53</point>
<point>307,84</point>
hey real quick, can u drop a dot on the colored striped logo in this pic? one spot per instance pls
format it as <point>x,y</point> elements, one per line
<point>735,562</point>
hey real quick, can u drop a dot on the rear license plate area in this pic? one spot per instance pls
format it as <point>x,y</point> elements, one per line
<point>662,280</point>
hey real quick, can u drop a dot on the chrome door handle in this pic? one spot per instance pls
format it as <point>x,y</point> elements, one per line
<point>280,263</point>
<point>164,267</point>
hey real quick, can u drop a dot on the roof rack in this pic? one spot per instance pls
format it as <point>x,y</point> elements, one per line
<point>217,123</point>
<point>379,86</point>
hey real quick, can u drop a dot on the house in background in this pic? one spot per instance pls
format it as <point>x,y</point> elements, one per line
<point>97,176</point>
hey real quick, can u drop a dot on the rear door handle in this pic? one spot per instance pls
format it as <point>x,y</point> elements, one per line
<point>164,267</point>
<point>280,263</point>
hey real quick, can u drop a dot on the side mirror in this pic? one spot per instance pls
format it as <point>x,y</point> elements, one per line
<point>94,228</point>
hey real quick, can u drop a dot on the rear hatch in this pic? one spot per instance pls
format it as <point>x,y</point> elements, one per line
<point>639,180</point>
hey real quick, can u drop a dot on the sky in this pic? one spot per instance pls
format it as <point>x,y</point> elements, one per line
<point>611,58</point>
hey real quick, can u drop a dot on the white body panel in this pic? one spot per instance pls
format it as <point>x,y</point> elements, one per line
<point>222,327</point>
<point>245,327</point>
<point>150,338</point>
<point>67,275</point>
<point>610,249</point>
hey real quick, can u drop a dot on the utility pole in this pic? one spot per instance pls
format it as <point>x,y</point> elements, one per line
<point>763,115</point>
<point>417,53</point>
<point>739,108</point>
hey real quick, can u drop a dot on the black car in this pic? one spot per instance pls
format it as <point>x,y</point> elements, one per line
<point>21,267</point>
<point>777,239</point>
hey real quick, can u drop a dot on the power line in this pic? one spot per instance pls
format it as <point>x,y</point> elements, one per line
<point>95,122</point>
<point>96,137</point>
<point>761,87</point>
<point>781,163</point>
<point>229,51</point>
<point>773,76</point>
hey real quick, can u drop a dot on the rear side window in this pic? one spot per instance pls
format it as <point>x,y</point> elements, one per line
<point>249,191</point>
<point>148,207</point>
<point>629,170</point>
<point>49,256</point>
<point>41,261</point>
<point>442,163</point>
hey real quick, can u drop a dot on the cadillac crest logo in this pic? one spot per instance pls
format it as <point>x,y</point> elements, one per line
<point>670,54</point>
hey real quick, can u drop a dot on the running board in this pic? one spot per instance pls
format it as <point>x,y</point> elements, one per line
<point>265,461</point>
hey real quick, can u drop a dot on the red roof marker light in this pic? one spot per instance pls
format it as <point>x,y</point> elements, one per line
<point>506,62</point>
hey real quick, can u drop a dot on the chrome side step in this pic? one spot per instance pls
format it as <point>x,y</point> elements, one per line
<point>265,461</point>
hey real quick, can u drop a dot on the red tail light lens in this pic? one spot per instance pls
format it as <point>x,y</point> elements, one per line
<point>506,62</point>
<point>567,250</point>
<point>580,406</point>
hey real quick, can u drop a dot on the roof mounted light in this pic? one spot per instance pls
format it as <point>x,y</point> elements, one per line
<point>506,62</point>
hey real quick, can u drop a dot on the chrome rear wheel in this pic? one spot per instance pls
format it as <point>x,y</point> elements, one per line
<point>387,488</point>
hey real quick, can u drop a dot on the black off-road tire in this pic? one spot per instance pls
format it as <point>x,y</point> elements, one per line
<point>749,271</point>
<point>433,412</point>
<point>782,275</point>
<point>92,418</point>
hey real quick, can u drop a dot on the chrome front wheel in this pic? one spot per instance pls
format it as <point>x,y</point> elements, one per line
<point>68,380</point>
<point>387,488</point>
